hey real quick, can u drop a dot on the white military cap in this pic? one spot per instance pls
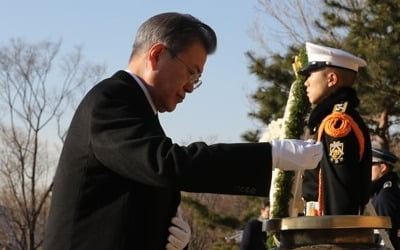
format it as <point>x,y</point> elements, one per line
<point>321,56</point>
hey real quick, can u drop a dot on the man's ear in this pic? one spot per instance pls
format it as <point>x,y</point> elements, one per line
<point>385,168</point>
<point>155,53</point>
<point>333,78</point>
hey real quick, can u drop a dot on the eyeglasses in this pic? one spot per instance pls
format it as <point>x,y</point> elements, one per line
<point>194,78</point>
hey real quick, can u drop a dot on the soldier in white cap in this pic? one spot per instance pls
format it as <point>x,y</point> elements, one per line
<point>386,192</point>
<point>340,185</point>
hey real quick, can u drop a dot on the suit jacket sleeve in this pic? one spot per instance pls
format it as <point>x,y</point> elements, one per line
<point>127,137</point>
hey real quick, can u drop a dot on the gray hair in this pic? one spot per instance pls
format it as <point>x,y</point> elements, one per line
<point>177,31</point>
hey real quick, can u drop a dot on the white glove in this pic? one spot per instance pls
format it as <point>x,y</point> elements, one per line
<point>292,154</point>
<point>179,233</point>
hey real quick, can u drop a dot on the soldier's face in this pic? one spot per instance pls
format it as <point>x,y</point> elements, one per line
<point>377,171</point>
<point>317,86</point>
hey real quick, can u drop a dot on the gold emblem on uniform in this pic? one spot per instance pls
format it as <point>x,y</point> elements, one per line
<point>340,107</point>
<point>336,151</point>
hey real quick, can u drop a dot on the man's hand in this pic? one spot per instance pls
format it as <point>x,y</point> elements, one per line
<point>179,233</point>
<point>291,154</point>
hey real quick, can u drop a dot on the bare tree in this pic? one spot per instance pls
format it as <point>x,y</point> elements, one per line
<point>280,24</point>
<point>37,88</point>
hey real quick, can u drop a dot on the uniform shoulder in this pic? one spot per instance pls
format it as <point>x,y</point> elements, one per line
<point>338,124</point>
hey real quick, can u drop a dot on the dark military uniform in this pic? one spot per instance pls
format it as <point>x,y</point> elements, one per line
<point>386,198</point>
<point>386,201</point>
<point>346,165</point>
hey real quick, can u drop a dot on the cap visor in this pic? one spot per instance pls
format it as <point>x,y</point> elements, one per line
<point>311,67</point>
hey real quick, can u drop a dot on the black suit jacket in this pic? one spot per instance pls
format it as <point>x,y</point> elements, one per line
<point>253,237</point>
<point>119,177</point>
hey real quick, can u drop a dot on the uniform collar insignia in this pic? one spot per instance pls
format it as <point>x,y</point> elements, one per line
<point>387,184</point>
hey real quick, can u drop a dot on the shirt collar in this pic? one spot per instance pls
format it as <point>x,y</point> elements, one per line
<point>145,91</point>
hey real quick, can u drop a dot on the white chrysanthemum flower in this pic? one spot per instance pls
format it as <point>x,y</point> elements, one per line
<point>273,131</point>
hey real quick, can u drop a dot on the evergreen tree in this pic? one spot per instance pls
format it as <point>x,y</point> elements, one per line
<point>369,29</point>
<point>373,32</point>
<point>276,77</point>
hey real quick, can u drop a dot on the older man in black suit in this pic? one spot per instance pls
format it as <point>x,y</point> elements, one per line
<point>119,176</point>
